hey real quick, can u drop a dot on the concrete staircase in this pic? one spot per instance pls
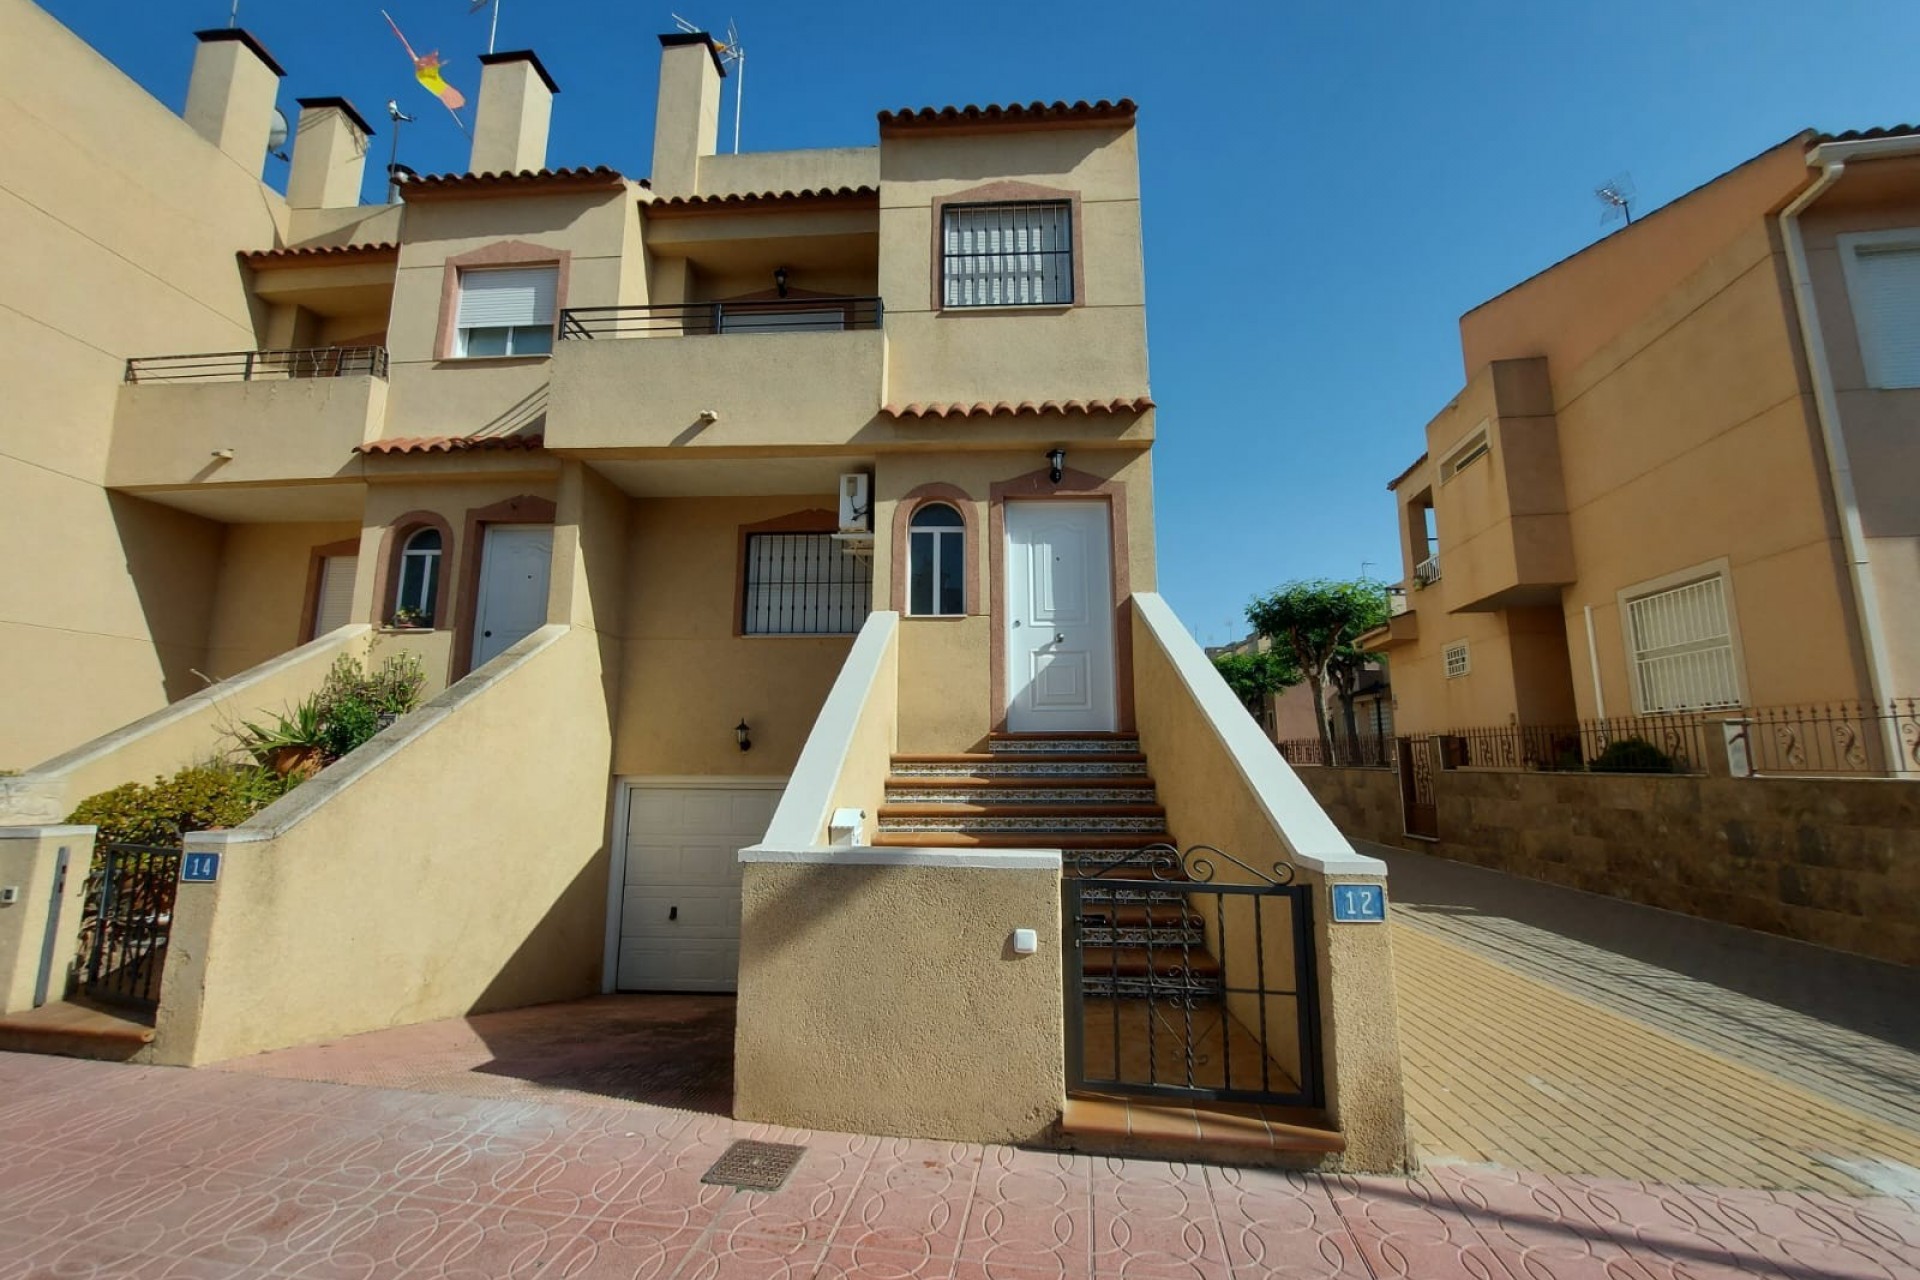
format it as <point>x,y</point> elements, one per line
<point>1090,796</point>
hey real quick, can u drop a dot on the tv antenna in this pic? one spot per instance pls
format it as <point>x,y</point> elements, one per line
<point>732,53</point>
<point>233,14</point>
<point>1616,198</point>
<point>277,135</point>
<point>394,167</point>
<point>493,30</point>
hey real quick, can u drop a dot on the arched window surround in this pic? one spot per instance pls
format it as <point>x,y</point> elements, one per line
<point>947,495</point>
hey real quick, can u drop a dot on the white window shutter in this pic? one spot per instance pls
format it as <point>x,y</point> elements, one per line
<point>506,297</point>
<point>1886,308</point>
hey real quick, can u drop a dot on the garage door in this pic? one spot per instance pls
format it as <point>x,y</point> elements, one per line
<point>680,905</point>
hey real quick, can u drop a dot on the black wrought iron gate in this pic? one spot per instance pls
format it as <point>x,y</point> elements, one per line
<point>1179,986</point>
<point>127,922</point>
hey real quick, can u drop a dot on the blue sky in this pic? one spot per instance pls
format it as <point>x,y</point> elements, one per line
<point>1327,185</point>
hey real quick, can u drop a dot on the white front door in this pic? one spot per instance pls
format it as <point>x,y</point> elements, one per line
<point>679,911</point>
<point>1059,618</point>
<point>513,587</point>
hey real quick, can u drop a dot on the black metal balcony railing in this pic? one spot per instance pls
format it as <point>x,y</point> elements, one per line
<point>256,366</point>
<point>686,319</point>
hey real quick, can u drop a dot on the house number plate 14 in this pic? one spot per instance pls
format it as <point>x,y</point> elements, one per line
<point>199,868</point>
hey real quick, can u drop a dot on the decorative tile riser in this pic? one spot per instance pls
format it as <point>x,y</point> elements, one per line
<point>1041,825</point>
<point>1025,769</point>
<point>1064,746</point>
<point>1022,795</point>
<point>1133,897</point>
<point>1142,936</point>
<point>1198,990</point>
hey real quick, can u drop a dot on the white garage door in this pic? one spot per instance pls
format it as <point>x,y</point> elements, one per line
<point>680,905</point>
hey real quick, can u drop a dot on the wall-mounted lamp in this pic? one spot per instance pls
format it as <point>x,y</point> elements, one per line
<point>740,735</point>
<point>780,280</point>
<point>1056,464</point>
<point>225,455</point>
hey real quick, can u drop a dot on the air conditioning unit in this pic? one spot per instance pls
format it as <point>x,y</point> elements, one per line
<point>856,504</point>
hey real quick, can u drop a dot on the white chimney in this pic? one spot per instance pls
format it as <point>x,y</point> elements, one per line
<point>516,107</point>
<point>329,155</point>
<point>686,122</point>
<point>230,97</point>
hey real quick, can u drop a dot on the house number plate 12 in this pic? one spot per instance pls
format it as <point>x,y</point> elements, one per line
<point>199,868</point>
<point>1359,903</point>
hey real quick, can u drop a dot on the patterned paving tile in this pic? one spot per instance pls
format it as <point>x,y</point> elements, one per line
<point>911,1204</point>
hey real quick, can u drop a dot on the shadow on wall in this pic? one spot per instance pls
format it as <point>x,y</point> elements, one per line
<point>573,926</point>
<point>173,560</point>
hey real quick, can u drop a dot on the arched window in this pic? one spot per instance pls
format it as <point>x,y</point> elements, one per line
<point>419,591</point>
<point>937,562</point>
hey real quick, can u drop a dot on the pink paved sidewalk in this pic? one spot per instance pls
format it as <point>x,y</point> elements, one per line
<point>113,1170</point>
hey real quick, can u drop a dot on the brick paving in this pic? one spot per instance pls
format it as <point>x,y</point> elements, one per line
<point>129,1171</point>
<point>1534,1037</point>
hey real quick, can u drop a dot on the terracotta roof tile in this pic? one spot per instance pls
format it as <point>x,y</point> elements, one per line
<point>450,444</point>
<point>764,199</point>
<point>302,255</point>
<point>1034,408</point>
<point>1865,135</point>
<point>579,179</point>
<point>1016,113</point>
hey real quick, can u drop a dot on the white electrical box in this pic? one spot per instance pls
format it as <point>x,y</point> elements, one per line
<point>847,828</point>
<point>856,504</point>
<point>1025,942</point>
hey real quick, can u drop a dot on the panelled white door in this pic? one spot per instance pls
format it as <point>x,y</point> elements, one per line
<point>335,603</point>
<point>679,924</point>
<point>1060,666</point>
<point>513,587</point>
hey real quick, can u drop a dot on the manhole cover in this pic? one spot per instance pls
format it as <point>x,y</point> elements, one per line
<point>754,1166</point>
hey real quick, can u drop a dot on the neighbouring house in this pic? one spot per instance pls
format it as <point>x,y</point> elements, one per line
<point>1679,479</point>
<point>777,531</point>
<point>1293,723</point>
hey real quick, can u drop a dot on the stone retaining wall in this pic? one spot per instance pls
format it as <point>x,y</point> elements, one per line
<point>1834,861</point>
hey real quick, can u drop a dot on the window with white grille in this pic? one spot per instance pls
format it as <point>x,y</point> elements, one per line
<point>1471,450</point>
<point>506,311</point>
<point>803,584</point>
<point>1007,255</point>
<point>1883,280</point>
<point>1456,660</point>
<point>1683,648</point>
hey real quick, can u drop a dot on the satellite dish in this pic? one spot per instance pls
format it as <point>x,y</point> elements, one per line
<point>277,134</point>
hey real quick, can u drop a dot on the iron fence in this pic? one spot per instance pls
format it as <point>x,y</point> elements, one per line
<point>1367,751</point>
<point>127,922</point>
<point>688,319</point>
<point>261,366</point>
<point>1835,738</point>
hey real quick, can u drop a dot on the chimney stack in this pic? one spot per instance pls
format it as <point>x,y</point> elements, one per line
<point>516,106</point>
<point>329,155</point>
<point>230,97</point>
<point>686,123</point>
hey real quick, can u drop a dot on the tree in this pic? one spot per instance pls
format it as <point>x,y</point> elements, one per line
<point>1312,621</point>
<point>1253,676</point>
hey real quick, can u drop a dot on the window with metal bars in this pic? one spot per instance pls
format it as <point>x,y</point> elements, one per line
<point>1683,648</point>
<point>1007,255</point>
<point>804,584</point>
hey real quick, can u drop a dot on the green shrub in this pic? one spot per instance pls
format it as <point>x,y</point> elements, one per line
<point>201,797</point>
<point>302,729</point>
<point>1632,755</point>
<point>355,703</point>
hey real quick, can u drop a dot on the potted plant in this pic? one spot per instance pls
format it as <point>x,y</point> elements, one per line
<point>406,619</point>
<point>292,745</point>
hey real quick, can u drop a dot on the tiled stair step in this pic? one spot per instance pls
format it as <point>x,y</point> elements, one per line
<point>1164,1129</point>
<point>1030,821</point>
<point>1106,914</point>
<point>1195,988</point>
<point>1171,934</point>
<point>1014,765</point>
<point>992,790</point>
<point>1196,963</point>
<point>1073,843</point>
<point>1063,744</point>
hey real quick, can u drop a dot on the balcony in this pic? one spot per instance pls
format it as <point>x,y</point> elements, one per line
<point>772,373</point>
<point>246,417</point>
<point>1427,572</point>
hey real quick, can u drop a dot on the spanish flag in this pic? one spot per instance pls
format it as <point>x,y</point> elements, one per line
<point>427,71</point>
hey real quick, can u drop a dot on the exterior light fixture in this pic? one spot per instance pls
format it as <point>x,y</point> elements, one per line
<point>780,280</point>
<point>1056,464</point>
<point>740,735</point>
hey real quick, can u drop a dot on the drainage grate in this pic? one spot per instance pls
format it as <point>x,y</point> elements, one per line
<point>754,1166</point>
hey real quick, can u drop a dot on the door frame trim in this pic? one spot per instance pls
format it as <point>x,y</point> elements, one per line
<point>526,508</point>
<point>1078,486</point>
<point>624,785</point>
